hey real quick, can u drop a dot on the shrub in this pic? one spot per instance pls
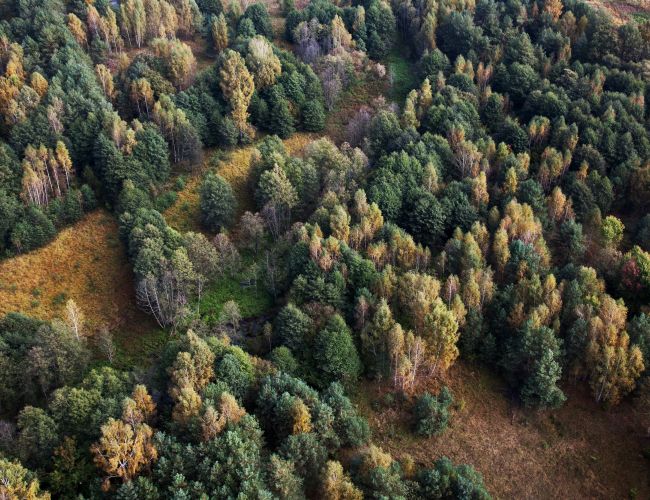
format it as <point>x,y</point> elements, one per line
<point>432,413</point>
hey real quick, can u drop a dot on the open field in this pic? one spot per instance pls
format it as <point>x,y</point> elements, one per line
<point>185,214</point>
<point>86,262</point>
<point>578,451</point>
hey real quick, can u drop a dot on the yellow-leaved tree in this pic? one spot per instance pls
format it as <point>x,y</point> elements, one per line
<point>237,86</point>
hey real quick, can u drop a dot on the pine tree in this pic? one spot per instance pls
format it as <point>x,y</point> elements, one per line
<point>218,203</point>
<point>313,116</point>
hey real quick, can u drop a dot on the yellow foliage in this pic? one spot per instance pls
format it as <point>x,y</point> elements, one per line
<point>85,262</point>
<point>123,450</point>
<point>337,485</point>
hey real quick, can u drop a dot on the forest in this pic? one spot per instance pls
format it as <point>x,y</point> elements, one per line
<point>329,249</point>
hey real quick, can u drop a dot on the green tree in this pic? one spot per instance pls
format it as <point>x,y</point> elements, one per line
<point>280,121</point>
<point>38,436</point>
<point>612,230</point>
<point>218,203</point>
<point>431,413</point>
<point>260,18</point>
<point>293,328</point>
<point>335,354</point>
<point>313,116</point>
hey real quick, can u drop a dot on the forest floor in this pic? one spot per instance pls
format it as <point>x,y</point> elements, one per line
<point>578,451</point>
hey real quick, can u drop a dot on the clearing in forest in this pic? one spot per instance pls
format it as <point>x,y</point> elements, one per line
<point>578,451</point>
<point>624,11</point>
<point>86,262</point>
<point>185,213</point>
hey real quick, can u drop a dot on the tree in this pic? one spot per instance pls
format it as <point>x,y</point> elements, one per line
<point>123,450</point>
<point>431,413</point>
<point>142,94</point>
<point>178,59</point>
<point>440,333</point>
<point>313,116</point>
<point>280,121</point>
<point>276,193</point>
<point>554,8</point>
<point>446,480</point>
<point>164,291</point>
<point>214,421</point>
<point>134,21</point>
<point>237,86</point>
<point>336,485</point>
<point>139,408</point>
<point>612,230</point>
<point>335,353</point>
<point>230,315</point>
<point>78,30</point>
<point>219,31</point>
<point>532,363</point>
<point>252,230</point>
<point>218,203</point>
<point>293,327</point>
<point>262,62</point>
<point>75,318</point>
<point>612,364</point>
<point>259,16</point>
<point>38,436</point>
<point>44,172</point>
<point>341,38</point>
<point>176,128</point>
<point>380,23</point>
<point>19,483</point>
<point>283,480</point>
<point>107,345</point>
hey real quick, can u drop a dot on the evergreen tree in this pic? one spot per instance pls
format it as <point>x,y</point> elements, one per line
<point>218,203</point>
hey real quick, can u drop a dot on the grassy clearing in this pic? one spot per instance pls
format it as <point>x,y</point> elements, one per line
<point>185,213</point>
<point>368,87</point>
<point>86,262</point>
<point>252,301</point>
<point>403,73</point>
<point>137,348</point>
<point>360,93</point>
<point>578,451</point>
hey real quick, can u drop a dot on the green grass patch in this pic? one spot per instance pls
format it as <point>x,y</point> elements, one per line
<point>252,301</point>
<point>403,73</point>
<point>137,349</point>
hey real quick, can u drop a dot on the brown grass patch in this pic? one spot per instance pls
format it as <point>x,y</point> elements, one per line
<point>578,451</point>
<point>185,213</point>
<point>86,262</point>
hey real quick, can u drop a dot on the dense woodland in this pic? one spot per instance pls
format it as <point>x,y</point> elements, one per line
<point>497,213</point>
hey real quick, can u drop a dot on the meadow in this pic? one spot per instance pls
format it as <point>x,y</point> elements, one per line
<point>86,262</point>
